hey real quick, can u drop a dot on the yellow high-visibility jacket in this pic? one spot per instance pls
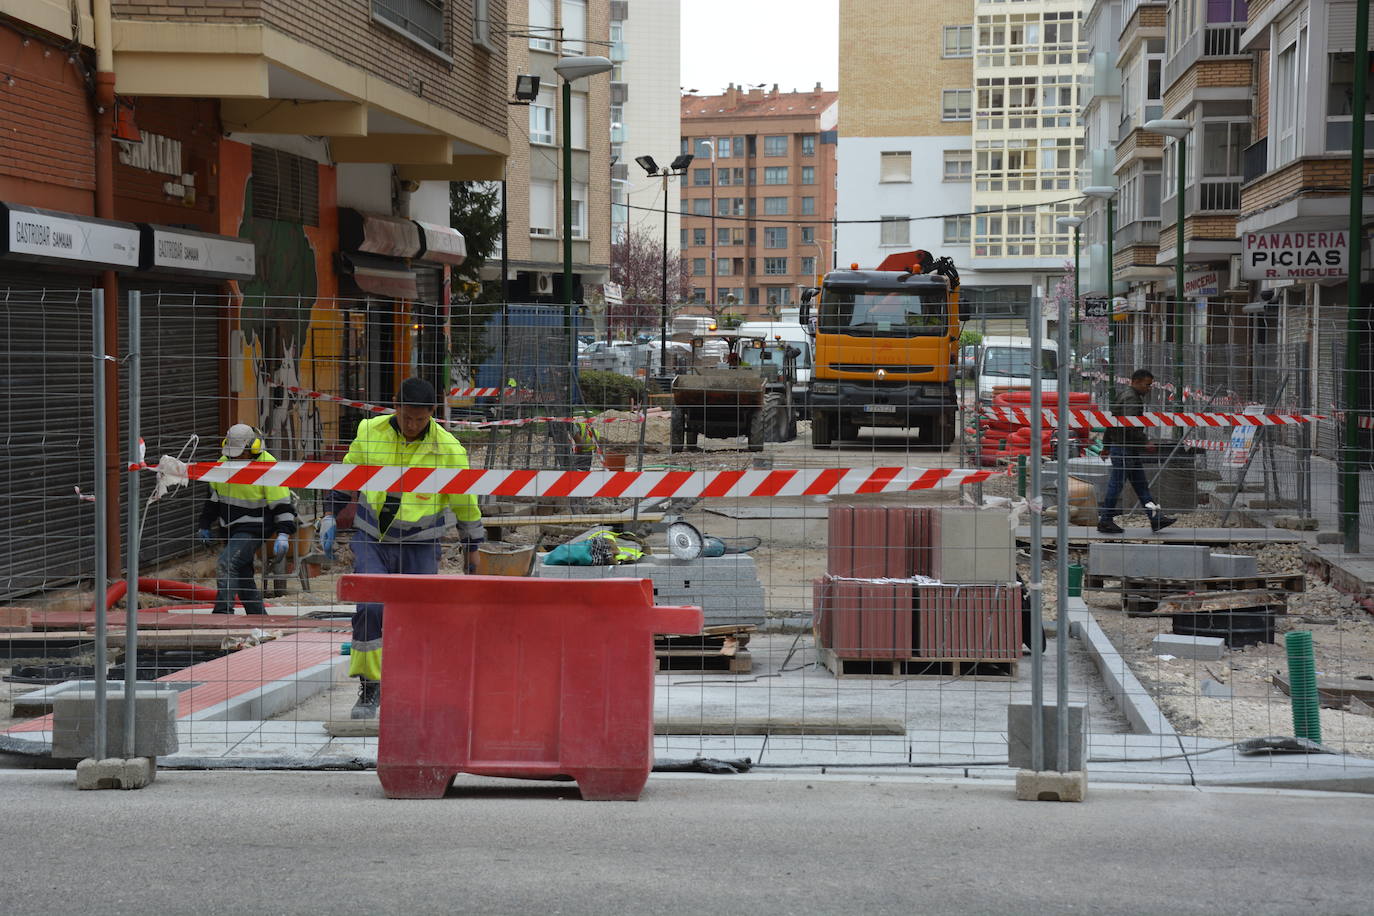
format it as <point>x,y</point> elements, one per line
<point>409,516</point>
<point>249,507</point>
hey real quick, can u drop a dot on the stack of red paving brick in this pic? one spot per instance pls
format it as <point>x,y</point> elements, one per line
<point>907,586</point>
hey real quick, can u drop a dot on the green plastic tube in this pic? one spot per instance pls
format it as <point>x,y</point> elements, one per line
<point>1302,681</point>
<point>1075,580</point>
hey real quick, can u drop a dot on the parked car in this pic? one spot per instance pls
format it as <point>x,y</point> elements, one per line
<point>968,360</point>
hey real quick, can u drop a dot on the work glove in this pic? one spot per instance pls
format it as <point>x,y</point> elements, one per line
<point>205,537</point>
<point>280,544</point>
<point>328,530</point>
<point>470,535</point>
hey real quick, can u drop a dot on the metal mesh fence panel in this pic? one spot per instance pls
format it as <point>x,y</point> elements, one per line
<point>864,574</point>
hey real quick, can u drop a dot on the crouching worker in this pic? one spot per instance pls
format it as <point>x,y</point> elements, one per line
<point>248,513</point>
<point>399,533</point>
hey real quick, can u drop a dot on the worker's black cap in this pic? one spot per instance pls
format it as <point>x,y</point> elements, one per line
<point>416,392</point>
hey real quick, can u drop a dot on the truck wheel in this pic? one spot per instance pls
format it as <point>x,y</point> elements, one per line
<point>678,431</point>
<point>820,429</point>
<point>758,428</point>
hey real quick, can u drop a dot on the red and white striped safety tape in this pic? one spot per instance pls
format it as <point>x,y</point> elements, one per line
<point>486,392</point>
<point>1101,418</point>
<point>1365,422</point>
<point>606,484</point>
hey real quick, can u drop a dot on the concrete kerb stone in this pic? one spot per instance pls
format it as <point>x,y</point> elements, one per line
<point>276,696</point>
<point>1131,696</point>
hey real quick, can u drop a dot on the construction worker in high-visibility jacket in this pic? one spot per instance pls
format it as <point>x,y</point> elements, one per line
<point>399,532</point>
<point>248,513</point>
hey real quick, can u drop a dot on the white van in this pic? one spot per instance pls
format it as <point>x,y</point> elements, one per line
<point>1006,362</point>
<point>793,333</point>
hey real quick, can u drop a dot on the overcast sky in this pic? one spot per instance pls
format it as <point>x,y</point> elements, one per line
<point>789,42</point>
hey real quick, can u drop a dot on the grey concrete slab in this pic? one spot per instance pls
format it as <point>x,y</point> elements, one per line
<point>1149,561</point>
<point>1083,534</point>
<point>1207,648</point>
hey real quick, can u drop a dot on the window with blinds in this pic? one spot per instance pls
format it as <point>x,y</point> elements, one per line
<point>285,187</point>
<point>895,166</point>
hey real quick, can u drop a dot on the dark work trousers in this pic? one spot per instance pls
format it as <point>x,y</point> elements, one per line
<point>235,575</point>
<point>419,558</point>
<point>1126,465</point>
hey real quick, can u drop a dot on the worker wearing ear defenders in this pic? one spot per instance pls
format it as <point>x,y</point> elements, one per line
<point>248,513</point>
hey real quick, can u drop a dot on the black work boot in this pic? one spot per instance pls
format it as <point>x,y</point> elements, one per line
<point>1109,526</point>
<point>1159,521</point>
<point>369,699</point>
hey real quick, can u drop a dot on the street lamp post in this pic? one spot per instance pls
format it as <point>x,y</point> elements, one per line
<point>1108,193</point>
<point>1178,129</point>
<point>572,68</point>
<point>677,168</point>
<point>1073,222</point>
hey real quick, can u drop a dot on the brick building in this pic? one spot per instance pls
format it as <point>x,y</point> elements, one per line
<point>272,176</point>
<point>758,202</point>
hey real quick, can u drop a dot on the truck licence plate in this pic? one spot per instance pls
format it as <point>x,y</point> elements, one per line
<point>880,408</point>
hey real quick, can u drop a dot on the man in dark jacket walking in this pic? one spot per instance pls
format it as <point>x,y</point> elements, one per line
<point>1128,446</point>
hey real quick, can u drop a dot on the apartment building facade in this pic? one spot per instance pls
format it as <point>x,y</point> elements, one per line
<point>645,116</point>
<point>1295,178</point>
<point>964,139</point>
<point>555,29</point>
<point>758,202</point>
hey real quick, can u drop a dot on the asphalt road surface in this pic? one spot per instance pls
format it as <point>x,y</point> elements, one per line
<point>239,842</point>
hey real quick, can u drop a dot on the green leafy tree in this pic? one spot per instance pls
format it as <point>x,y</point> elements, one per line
<point>475,211</point>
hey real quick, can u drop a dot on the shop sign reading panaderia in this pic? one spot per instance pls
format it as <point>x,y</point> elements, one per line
<point>1315,255</point>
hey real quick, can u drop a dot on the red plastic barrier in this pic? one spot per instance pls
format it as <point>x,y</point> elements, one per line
<point>519,677</point>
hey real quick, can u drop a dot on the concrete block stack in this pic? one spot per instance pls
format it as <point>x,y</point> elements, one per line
<point>904,582</point>
<point>727,589</point>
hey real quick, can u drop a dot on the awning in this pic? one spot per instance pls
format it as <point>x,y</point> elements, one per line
<point>372,233</point>
<point>441,244</point>
<point>181,251</point>
<point>379,276</point>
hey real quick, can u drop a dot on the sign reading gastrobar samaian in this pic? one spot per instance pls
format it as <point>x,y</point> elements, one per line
<point>50,237</point>
<point>1316,255</point>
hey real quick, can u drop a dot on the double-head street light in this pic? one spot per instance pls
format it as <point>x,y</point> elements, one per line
<point>1108,193</point>
<point>1178,129</point>
<point>677,167</point>
<point>571,69</point>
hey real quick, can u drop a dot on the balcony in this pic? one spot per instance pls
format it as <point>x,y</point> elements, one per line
<point>618,54</point>
<point>1130,122</point>
<point>1218,39</point>
<point>1255,160</point>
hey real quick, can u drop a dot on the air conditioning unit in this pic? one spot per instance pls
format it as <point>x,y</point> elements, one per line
<point>543,284</point>
<point>1233,280</point>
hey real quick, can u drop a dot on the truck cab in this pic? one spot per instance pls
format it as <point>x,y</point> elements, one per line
<point>1007,362</point>
<point>885,348</point>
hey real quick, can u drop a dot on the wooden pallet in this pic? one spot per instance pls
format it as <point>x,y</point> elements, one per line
<point>928,669</point>
<point>703,660</point>
<point>1283,582</point>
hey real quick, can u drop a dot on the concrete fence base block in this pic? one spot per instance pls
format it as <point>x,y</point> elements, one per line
<point>116,773</point>
<point>1048,785</point>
